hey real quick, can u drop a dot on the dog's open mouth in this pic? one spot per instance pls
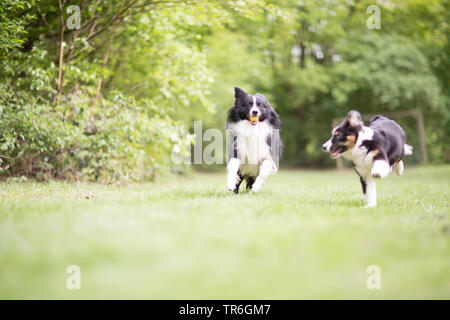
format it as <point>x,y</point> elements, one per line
<point>254,120</point>
<point>336,154</point>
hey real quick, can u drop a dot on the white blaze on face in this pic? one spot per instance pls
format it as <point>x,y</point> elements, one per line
<point>327,145</point>
<point>254,108</point>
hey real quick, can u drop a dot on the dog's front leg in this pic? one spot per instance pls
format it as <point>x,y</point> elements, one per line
<point>266,168</point>
<point>370,196</point>
<point>232,173</point>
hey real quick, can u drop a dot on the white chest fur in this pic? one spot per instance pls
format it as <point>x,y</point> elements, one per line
<point>251,143</point>
<point>362,160</point>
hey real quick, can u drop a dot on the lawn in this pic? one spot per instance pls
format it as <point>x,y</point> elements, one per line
<point>303,236</point>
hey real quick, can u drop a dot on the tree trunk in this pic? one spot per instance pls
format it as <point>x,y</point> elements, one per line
<point>105,61</point>
<point>61,51</point>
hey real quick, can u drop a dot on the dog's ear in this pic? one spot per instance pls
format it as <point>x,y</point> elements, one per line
<point>239,93</point>
<point>263,100</point>
<point>266,103</point>
<point>354,119</point>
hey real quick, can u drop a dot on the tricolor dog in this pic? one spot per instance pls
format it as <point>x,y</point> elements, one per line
<point>374,150</point>
<point>254,142</point>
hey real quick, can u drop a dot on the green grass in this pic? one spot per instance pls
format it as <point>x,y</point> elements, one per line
<point>303,236</point>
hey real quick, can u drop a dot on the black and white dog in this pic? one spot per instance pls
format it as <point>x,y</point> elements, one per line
<point>374,150</point>
<point>254,147</point>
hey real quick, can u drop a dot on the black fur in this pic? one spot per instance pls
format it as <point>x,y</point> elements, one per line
<point>389,138</point>
<point>363,184</point>
<point>362,180</point>
<point>249,181</point>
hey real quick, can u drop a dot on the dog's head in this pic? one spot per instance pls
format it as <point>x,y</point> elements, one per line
<point>253,108</point>
<point>344,136</point>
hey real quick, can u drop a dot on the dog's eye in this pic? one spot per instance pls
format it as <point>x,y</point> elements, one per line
<point>259,104</point>
<point>250,103</point>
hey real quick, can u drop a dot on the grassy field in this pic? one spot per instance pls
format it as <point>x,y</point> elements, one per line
<point>303,236</point>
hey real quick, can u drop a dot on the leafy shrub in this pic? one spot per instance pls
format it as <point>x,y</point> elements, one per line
<point>120,139</point>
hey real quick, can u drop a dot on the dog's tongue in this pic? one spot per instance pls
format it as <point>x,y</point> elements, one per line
<point>335,154</point>
<point>253,120</point>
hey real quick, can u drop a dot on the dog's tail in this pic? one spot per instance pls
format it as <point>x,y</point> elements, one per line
<point>407,150</point>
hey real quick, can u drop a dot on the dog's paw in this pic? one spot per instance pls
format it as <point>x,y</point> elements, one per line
<point>380,169</point>
<point>255,190</point>
<point>257,186</point>
<point>231,183</point>
<point>370,205</point>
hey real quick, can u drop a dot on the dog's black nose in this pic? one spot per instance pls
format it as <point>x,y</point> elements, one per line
<point>254,113</point>
<point>323,147</point>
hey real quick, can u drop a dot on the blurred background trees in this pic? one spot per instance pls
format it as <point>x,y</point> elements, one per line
<point>123,92</point>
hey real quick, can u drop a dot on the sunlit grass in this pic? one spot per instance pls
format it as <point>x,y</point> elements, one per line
<point>303,236</point>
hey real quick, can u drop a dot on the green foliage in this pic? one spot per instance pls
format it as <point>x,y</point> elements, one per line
<point>324,61</point>
<point>392,71</point>
<point>13,19</point>
<point>233,65</point>
<point>166,65</point>
<point>123,139</point>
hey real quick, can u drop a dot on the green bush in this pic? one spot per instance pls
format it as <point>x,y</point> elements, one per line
<point>120,139</point>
